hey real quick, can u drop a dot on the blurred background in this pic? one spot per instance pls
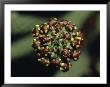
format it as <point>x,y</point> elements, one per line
<point>23,61</point>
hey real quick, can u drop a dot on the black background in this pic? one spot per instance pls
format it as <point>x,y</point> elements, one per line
<point>56,1</point>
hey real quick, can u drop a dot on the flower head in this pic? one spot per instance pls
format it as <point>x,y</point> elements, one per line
<point>56,43</point>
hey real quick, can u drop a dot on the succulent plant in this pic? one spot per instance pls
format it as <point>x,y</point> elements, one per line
<point>56,43</point>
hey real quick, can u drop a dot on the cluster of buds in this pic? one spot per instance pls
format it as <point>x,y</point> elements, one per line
<point>57,43</point>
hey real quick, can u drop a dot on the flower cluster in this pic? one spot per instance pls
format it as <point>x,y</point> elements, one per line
<point>57,43</point>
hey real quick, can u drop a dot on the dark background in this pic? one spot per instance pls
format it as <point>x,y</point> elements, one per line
<point>23,61</point>
<point>57,1</point>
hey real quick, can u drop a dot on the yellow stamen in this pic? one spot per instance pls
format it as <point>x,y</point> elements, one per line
<point>61,69</point>
<point>79,38</point>
<point>77,46</point>
<point>62,64</point>
<point>72,39</point>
